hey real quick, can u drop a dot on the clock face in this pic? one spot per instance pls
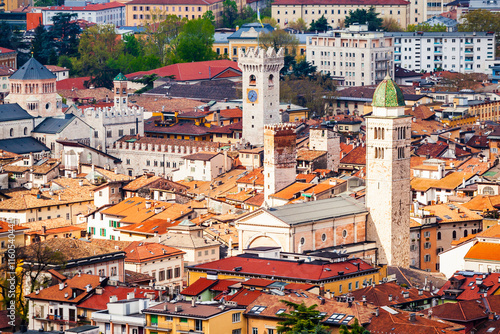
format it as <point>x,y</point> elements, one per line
<point>252,95</point>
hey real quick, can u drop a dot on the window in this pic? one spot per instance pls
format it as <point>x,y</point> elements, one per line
<point>427,258</point>
<point>154,320</point>
<point>454,235</point>
<point>108,134</point>
<point>427,245</point>
<point>323,237</point>
<point>350,286</point>
<point>344,233</point>
<point>236,331</point>
<point>255,330</point>
<point>161,275</point>
<point>169,274</point>
<point>236,317</point>
<point>427,234</point>
<point>198,324</point>
<point>177,272</point>
<point>439,235</point>
<point>302,240</point>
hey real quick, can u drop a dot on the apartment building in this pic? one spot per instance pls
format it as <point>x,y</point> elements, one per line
<point>100,13</point>
<point>360,56</point>
<point>140,11</point>
<point>464,52</point>
<point>286,11</point>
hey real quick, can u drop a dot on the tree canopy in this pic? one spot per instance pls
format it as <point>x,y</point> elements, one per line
<point>362,16</point>
<point>426,27</point>
<point>320,24</point>
<point>302,318</point>
<point>195,41</point>
<point>356,328</point>
<point>229,13</point>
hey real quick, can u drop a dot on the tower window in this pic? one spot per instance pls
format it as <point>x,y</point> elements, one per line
<point>253,80</point>
<point>271,80</point>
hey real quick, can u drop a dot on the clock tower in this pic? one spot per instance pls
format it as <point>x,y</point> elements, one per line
<point>388,194</point>
<point>261,91</point>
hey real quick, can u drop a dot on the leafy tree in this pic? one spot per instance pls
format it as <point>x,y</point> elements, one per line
<point>161,35</point>
<point>46,3</point>
<point>229,13</point>
<point>279,39</point>
<point>271,21</point>
<point>42,45</point>
<point>65,34</point>
<point>132,45</point>
<point>356,328</point>
<point>195,41</point>
<point>301,319</point>
<point>209,15</point>
<point>320,24</point>
<point>147,80</point>
<point>98,44</point>
<point>426,27</point>
<point>391,25</point>
<point>32,262</point>
<point>247,15</point>
<point>299,25</point>
<point>480,20</point>
<point>8,37</point>
<point>303,69</point>
<point>361,16</point>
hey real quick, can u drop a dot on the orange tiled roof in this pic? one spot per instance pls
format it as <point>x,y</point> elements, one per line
<point>255,176</point>
<point>447,213</point>
<point>487,251</point>
<point>139,251</point>
<point>483,203</point>
<point>54,293</point>
<point>319,188</point>
<point>141,182</point>
<point>356,157</point>
<point>288,193</point>
<point>306,177</point>
<point>309,155</point>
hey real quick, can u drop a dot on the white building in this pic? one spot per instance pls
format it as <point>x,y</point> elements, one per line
<point>203,166</point>
<point>60,72</point>
<point>126,314</point>
<point>464,52</point>
<point>101,13</point>
<point>358,55</point>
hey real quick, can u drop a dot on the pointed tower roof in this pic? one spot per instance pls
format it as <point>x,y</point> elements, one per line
<point>120,77</point>
<point>33,70</point>
<point>388,94</point>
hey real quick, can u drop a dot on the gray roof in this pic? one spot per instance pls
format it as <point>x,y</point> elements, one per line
<point>33,70</point>
<point>247,26</point>
<point>13,112</point>
<point>23,145</point>
<point>295,214</point>
<point>54,124</point>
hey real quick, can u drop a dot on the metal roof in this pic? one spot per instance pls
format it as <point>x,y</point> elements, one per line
<point>33,70</point>
<point>294,214</point>
<point>266,28</point>
<point>23,145</point>
<point>13,112</point>
<point>54,124</point>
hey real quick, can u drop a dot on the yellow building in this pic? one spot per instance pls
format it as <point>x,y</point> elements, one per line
<point>140,11</point>
<point>287,11</point>
<point>187,317</point>
<point>246,37</point>
<point>335,278</point>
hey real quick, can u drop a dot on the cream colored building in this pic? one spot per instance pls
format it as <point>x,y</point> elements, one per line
<point>360,56</point>
<point>138,12</point>
<point>286,11</point>
<point>388,193</point>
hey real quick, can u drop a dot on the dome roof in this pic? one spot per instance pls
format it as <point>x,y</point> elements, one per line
<point>388,94</point>
<point>120,77</point>
<point>33,70</point>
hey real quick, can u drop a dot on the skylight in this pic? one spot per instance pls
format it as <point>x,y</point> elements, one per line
<point>280,311</point>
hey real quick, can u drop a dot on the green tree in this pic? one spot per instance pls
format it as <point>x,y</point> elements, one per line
<point>426,27</point>
<point>271,21</point>
<point>356,328</point>
<point>98,44</point>
<point>299,25</point>
<point>279,39</point>
<point>209,15</point>
<point>65,34</point>
<point>46,3</point>
<point>195,41</point>
<point>247,15</point>
<point>132,45</point>
<point>303,69</point>
<point>229,13</point>
<point>161,35</point>
<point>302,318</point>
<point>361,16</point>
<point>42,46</point>
<point>320,24</point>
<point>480,20</point>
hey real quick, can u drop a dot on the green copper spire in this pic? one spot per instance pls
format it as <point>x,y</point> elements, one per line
<point>388,94</point>
<point>120,77</point>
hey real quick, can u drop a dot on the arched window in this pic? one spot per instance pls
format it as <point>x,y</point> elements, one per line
<point>439,235</point>
<point>253,80</point>
<point>454,235</point>
<point>465,233</point>
<point>488,191</point>
<point>25,131</point>
<point>271,80</point>
<point>11,132</point>
<point>375,132</point>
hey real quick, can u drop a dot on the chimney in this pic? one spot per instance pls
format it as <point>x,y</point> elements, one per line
<point>178,308</point>
<point>390,298</point>
<point>80,183</point>
<point>193,302</point>
<point>113,299</point>
<point>61,286</point>
<point>413,317</point>
<point>130,295</point>
<point>88,288</point>
<point>420,292</point>
<point>148,205</point>
<point>363,299</point>
<point>377,312</point>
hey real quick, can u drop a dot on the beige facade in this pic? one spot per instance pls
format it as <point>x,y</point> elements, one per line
<point>360,56</point>
<point>388,194</point>
<point>287,11</point>
<point>138,12</point>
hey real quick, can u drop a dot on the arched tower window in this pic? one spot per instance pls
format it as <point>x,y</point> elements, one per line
<point>253,80</point>
<point>271,80</point>
<point>25,131</point>
<point>375,130</point>
<point>11,132</point>
<point>454,235</point>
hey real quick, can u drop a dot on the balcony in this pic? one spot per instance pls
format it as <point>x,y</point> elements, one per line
<point>57,319</point>
<point>438,50</point>
<point>185,328</point>
<point>469,59</point>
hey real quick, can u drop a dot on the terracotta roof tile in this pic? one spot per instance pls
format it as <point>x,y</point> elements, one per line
<point>255,176</point>
<point>141,182</point>
<point>78,282</point>
<point>139,251</point>
<point>378,295</point>
<point>292,191</point>
<point>467,287</point>
<point>199,286</point>
<point>485,251</point>
<point>309,155</point>
<point>160,103</point>
<point>356,157</point>
<point>448,212</point>
<point>257,200</point>
<point>99,302</point>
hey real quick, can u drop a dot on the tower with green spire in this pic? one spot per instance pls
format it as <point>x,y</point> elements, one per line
<point>120,84</point>
<point>388,194</point>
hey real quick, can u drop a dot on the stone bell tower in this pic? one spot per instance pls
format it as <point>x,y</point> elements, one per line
<point>120,84</point>
<point>388,195</point>
<point>261,91</point>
